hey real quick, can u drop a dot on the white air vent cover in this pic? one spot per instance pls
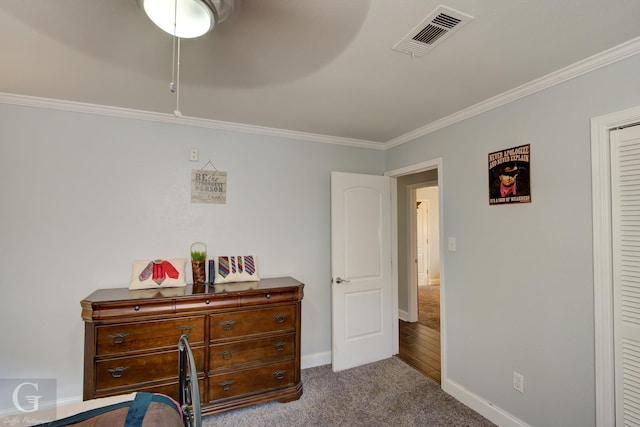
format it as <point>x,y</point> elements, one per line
<point>433,30</point>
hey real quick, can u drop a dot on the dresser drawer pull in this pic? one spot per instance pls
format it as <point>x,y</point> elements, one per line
<point>185,329</point>
<point>227,324</point>
<point>280,345</point>
<point>118,372</point>
<point>226,385</point>
<point>280,318</point>
<point>226,355</point>
<point>118,338</point>
<point>207,302</point>
<point>268,296</point>
<point>136,308</point>
<point>279,374</point>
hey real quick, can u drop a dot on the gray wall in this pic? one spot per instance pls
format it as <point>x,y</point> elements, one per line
<point>519,288</point>
<point>84,195</point>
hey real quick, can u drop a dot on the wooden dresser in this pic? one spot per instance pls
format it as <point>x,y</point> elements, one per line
<point>245,338</point>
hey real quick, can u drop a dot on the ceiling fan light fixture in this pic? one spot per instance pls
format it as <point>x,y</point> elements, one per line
<point>186,19</point>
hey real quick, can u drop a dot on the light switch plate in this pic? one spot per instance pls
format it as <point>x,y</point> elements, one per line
<point>452,244</point>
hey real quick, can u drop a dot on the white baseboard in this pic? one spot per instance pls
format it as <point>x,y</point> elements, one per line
<point>43,406</point>
<point>481,406</point>
<point>316,359</point>
<point>403,315</point>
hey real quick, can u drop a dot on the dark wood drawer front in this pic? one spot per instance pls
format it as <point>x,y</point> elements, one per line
<point>241,323</point>
<point>211,303</point>
<point>133,309</point>
<point>125,371</point>
<point>233,354</point>
<point>170,389</point>
<point>271,297</point>
<point>126,337</point>
<point>250,381</point>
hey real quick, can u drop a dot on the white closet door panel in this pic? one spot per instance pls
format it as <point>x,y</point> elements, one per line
<point>625,193</point>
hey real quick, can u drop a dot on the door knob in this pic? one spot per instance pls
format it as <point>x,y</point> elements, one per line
<point>340,280</point>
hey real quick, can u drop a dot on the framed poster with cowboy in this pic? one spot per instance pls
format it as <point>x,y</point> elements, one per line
<point>509,178</point>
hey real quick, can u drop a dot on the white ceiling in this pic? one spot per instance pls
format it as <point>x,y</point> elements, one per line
<point>318,67</point>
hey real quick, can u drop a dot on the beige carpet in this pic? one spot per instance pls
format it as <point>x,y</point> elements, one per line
<point>385,393</point>
<point>429,306</point>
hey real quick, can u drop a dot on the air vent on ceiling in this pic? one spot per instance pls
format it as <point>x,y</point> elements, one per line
<point>433,30</point>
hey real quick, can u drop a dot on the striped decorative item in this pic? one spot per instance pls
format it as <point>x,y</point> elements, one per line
<point>250,266</point>
<point>236,269</point>
<point>223,267</point>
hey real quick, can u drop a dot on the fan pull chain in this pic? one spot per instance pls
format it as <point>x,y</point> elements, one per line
<point>177,111</point>
<point>174,86</point>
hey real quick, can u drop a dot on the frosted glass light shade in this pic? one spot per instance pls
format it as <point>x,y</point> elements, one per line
<point>194,17</point>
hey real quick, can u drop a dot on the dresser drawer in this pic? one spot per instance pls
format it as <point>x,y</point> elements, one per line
<point>270,297</point>
<point>251,380</point>
<point>126,337</point>
<point>111,310</point>
<point>170,389</point>
<point>207,303</point>
<point>173,389</point>
<point>241,323</point>
<point>124,371</point>
<point>237,353</point>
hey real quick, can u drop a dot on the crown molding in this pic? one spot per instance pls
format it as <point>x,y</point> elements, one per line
<point>80,107</point>
<point>610,56</point>
<point>607,57</point>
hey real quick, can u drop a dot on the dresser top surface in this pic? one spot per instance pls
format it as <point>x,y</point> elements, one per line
<point>190,291</point>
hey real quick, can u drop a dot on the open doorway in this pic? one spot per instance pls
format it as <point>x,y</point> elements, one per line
<point>418,202</point>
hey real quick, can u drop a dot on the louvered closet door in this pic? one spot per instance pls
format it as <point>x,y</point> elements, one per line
<point>625,198</point>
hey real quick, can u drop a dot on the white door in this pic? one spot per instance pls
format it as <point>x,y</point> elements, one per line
<point>362,303</point>
<point>625,202</point>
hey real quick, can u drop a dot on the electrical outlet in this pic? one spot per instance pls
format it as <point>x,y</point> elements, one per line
<point>518,382</point>
<point>193,155</point>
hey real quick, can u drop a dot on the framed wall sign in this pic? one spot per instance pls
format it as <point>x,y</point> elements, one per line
<point>208,186</point>
<point>509,175</point>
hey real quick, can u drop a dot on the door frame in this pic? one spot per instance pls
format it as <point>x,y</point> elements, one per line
<point>394,174</point>
<point>602,258</point>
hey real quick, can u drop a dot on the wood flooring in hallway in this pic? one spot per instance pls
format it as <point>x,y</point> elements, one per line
<point>420,348</point>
